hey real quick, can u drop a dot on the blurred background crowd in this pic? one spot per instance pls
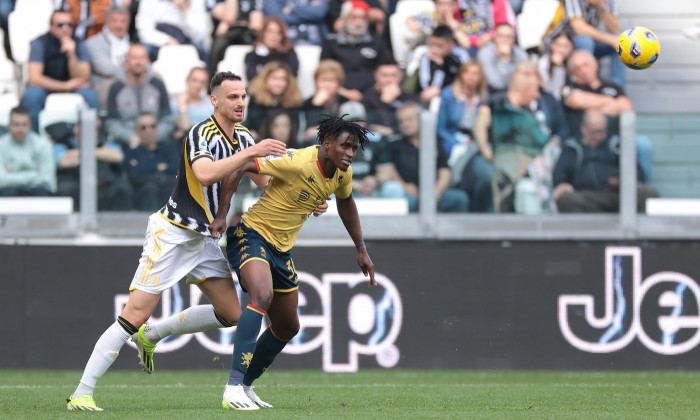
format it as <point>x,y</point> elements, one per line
<point>525,94</point>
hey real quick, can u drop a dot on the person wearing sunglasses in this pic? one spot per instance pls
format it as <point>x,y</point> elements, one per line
<point>58,62</point>
<point>150,164</point>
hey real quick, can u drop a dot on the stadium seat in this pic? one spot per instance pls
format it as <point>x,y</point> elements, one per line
<point>398,29</point>
<point>64,102</point>
<point>8,101</point>
<point>414,59</point>
<point>411,7</point>
<point>534,20</point>
<point>309,57</point>
<point>234,60</point>
<point>8,79</point>
<point>173,64</point>
<point>50,116</point>
<point>23,28</point>
<point>37,7</point>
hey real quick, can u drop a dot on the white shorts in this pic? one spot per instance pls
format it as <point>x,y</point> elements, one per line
<point>171,253</point>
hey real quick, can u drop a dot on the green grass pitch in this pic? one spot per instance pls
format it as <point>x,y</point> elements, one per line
<point>368,394</point>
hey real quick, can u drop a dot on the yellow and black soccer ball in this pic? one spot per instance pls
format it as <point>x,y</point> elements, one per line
<point>638,48</point>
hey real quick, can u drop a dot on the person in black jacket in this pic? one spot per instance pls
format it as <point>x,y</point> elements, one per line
<point>356,48</point>
<point>586,176</point>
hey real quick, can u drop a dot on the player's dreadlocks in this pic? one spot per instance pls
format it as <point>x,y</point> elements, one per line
<point>331,127</point>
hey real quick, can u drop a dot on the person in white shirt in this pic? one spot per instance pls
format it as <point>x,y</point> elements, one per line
<point>108,50</point>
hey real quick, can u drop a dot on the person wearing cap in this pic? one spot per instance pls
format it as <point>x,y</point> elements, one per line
<point>377,16</point>
<point>356,48</point>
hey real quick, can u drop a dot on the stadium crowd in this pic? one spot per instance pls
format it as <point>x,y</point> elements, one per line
<point>504,113</point>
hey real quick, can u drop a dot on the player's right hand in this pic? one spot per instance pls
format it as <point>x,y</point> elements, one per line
<point>217,227</point>
<point>269,147</point>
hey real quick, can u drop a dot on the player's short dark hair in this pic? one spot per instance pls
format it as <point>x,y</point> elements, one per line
<point>443,32</point>
<point>220,77</point>
<point>331,127</point>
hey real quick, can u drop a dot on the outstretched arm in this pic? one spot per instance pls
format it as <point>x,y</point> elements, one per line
<point>348,214</point>
<point>209,171</point>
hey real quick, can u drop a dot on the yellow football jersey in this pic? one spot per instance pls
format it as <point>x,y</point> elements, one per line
<point>296,188</point>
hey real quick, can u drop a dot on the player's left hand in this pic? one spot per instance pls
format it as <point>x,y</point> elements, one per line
<point>321,208</point>
<point>217,227</point>
<point>366,264</point>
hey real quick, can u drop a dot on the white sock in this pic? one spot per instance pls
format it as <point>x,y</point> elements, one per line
<point>191,320</point>
<point>103,355</point>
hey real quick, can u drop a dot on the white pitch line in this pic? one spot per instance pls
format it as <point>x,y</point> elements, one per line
<point>493,385</point>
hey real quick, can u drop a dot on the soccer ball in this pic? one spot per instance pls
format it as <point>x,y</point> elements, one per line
<point>638,48</point>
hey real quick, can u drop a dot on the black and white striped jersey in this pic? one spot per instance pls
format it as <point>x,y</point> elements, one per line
<point>192,205</point>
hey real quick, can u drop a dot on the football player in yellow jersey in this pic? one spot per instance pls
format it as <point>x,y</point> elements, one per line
<point>258,248</point>
<point>179,244</point>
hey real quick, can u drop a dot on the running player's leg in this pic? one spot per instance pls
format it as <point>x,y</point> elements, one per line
<point>212,274</point>
<point>256,278</point>
<point>137,310</point>
<point>284,325</point>
<point>223,312</point>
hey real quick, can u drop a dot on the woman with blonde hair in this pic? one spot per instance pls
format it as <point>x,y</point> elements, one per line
<point>271,44</point>
<point>458,106</point>
<point>328,78</point>
<point>275,88</point>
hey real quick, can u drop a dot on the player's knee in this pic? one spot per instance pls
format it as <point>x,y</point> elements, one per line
<point>262,299</point>
<point>229,317</point>
<point>286,331</point>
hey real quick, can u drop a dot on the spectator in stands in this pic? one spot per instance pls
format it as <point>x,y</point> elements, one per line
<point>113,189</point>
<point>274,89</point>
<point>305,19</point>
<point>193,104</point>
<point>421,25</point>
<point>364,179</point>
<point>174,22</point>
<point>139,91</point>
<point>519,124</point>
<point>439,65</point>
<point>458,108</point>
<point>108,51</point>
<point>398,170</point>
<point>596,26</point>
<point>500,57</point>
<point>459,104</point>
<point>271,44</point>
<point>88,16</point>
<point>478,22</point>
<point>150,164</point>
<point>279,125</point>
<point>589,93</point>
<point>357,49</point>
<point>58,62</point>
<point>587,174</point>
<point>553,64</point>
<point>385,97</point>
<point>26,163</point>
<point>328,78</point>
<point>377,16</point>
<point>236,22</point>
